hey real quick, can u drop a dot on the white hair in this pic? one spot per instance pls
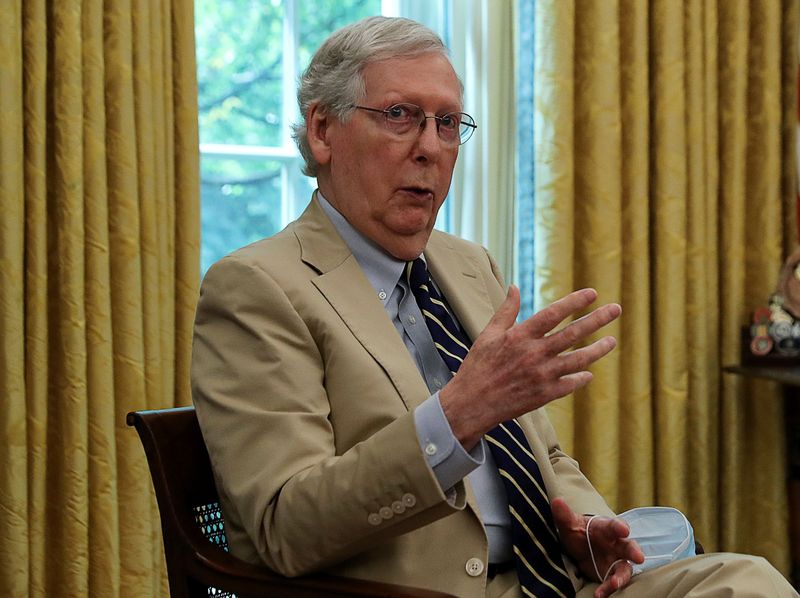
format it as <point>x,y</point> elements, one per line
<point>334,78</point>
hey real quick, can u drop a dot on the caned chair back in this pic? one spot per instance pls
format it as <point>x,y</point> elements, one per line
<point>193,527</point>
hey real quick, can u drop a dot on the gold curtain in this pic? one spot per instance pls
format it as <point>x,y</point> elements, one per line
<point>99,267</point>
<point>665,178</point>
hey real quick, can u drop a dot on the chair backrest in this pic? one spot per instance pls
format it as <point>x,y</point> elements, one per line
<point>185,491</point>
<point>194,530</point>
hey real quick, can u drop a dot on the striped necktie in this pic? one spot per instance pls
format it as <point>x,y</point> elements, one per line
<point>539,562</point>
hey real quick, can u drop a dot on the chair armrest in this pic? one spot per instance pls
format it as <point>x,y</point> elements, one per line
<point>216,568</point>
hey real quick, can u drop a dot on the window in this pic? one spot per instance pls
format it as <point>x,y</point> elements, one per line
<point>249,56</point>
<point>525,202</point>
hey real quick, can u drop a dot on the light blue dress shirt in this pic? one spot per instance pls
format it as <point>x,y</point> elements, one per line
<point>447,458</point>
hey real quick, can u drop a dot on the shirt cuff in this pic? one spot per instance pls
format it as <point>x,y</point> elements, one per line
<point>445,455</point>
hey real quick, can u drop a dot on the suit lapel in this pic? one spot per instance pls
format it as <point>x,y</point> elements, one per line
<point>344,285</point>
<point>342,282</point>
<point>461,283</point>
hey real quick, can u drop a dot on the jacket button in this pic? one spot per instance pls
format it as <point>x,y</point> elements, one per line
<point>474,567</point>
<point>409,500</point>
<point>385,513</point>
<point>374,519</point>
<point>398,507</point>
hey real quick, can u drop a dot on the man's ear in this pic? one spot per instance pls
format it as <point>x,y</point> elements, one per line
<point>317,123</point>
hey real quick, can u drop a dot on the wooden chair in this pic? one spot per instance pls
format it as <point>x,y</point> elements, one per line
<point>198,563</point>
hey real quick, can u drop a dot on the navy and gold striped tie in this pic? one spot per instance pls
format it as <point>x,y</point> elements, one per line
<point>539,563</point>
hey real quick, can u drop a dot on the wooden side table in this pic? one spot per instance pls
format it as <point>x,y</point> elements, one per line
<point>789,377</point>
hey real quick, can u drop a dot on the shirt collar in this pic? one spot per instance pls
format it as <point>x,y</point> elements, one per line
<point>382,270</point>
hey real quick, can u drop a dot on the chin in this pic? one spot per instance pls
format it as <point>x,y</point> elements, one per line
<point>404,240</point>
<point>409,249</point>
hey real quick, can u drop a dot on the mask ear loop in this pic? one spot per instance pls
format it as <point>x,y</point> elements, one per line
<point>602,578</point>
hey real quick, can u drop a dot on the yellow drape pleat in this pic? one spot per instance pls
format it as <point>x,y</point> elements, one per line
<point>99,267</point>
<point>665,178</point>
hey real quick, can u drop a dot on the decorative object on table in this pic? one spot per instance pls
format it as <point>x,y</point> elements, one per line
<point>774,336</point>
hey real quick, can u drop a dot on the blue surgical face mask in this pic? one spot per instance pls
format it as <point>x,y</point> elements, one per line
<point>663,533</point>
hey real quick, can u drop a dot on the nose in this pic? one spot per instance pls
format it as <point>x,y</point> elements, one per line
<point>428,145</point>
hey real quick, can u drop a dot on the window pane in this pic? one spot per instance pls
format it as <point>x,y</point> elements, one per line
<point>526,223</point>
<point>239,71</point>
<point>247,50</point>
<point>319,19</point>
<point>241,204</point>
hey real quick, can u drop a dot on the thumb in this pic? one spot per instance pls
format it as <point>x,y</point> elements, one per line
<point>563,515</point>
<point>506,315</point>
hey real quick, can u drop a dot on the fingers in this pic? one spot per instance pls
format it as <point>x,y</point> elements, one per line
<point>580,359</point>
<point>612,533</point>
<point>611,547</point>
<point>551,316</point>
<point>619,576</point>
<point>541,323</point>
<point>566,384</point>
<point>583,327</point>
<point>506,315</point>
<point>633,552</point>
<point>510,370</point>
<point>616,533</point>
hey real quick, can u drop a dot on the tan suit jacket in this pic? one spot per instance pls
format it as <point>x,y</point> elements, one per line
<point>305,392</point>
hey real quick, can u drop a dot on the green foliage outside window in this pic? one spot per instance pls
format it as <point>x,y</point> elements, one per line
<point>240,62</point>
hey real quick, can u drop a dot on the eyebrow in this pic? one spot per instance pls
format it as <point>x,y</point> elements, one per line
<point>387,103</point>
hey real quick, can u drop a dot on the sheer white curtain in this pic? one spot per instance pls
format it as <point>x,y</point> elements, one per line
<point>482,46</point>
<point>480,35</point>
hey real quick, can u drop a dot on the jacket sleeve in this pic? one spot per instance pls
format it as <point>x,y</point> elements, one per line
<point>258,384</point>
<point>570,482</point>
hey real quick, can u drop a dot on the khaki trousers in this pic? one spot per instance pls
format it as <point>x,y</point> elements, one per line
<point>717,575</point>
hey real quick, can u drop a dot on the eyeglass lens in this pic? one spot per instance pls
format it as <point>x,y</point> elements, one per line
<point>453,127</point>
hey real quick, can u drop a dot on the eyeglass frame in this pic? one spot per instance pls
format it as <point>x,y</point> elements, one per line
<point>438,119</point>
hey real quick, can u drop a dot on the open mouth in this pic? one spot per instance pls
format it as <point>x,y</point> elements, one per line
<point>420,193</point>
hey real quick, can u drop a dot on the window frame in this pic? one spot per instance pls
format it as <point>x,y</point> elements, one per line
<point>295,186</point>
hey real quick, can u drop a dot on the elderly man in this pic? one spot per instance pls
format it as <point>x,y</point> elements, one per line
<point>325,360</point>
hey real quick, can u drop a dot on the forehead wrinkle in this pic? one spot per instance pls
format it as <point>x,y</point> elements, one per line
<point>395,94</point>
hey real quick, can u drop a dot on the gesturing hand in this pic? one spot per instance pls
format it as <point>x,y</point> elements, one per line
<point>513,368</point>
<point>610,546</point>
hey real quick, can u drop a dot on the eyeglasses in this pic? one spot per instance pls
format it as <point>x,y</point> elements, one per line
<point>454,128</point>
